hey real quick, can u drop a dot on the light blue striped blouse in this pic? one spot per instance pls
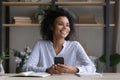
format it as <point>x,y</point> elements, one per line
<point>42,56</point>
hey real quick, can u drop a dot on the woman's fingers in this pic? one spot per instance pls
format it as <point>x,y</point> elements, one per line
<point>60,68</point>
<point>67,69</point>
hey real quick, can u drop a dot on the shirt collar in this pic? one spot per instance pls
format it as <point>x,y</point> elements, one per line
<point>64,44</point>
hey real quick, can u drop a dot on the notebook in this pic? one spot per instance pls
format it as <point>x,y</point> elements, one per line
<point>89,74</point>
<point>32,74</point>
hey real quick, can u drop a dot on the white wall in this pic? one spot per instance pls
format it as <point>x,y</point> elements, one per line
<point>21,37</point>
<point>91,37</point>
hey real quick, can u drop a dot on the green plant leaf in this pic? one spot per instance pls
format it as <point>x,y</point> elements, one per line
<point>103,58</point>
<point>114,59</point>
<point>5,55</point>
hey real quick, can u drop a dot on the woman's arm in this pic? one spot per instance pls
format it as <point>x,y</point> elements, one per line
<point>86,64</point>
<point>32,62</point>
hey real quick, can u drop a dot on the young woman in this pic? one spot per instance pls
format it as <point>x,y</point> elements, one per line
<point>56,29</point>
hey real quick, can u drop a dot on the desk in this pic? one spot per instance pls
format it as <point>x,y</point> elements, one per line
<point>106,76</point>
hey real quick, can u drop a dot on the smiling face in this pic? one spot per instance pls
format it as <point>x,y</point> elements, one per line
<point>61,27</point>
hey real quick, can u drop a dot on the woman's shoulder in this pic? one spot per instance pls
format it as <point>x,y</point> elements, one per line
<point>42,41</point>
<point>75,43</point>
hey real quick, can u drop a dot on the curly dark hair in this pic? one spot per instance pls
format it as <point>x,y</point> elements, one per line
<point>49,18</point>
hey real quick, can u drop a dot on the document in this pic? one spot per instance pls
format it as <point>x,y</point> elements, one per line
<point>89,74</point>
<point>32,74</point>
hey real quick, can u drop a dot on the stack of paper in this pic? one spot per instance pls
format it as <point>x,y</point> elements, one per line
<point>89,74</point>
<point>21,20</point>
<point>32,74</point>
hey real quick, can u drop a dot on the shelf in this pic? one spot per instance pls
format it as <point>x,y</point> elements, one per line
<point>36,25</point>
<point>97,3</point>
<point>20,25</point>
<point>92,25</point>
<point>25,3</point>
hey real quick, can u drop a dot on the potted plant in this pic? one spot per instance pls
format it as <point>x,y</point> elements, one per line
<point>21,58</point>
<point>114,59</point>
<point>38,15</point>
<point>3,57</point>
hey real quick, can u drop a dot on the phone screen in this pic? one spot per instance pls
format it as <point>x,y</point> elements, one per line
<point>59,60</point>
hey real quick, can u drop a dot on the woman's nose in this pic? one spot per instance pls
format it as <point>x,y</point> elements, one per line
<point>65,26</point>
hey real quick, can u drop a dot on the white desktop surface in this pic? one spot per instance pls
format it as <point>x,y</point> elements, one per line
<point>105,76</point>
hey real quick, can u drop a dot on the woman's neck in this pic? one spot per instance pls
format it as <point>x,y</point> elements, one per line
<point>58,45</point>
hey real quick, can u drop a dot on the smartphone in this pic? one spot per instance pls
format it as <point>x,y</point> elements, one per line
<point>59,60</point>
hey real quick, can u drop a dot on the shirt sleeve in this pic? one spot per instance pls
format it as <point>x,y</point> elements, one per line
<point>32,62</point>
<point>84,62</point>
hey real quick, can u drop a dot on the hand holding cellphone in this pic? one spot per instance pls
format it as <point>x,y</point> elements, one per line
<point>58,60</point>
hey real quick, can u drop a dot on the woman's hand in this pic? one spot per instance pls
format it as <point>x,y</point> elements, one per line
<point>53,70</point>
<point>66,69</point>
<point>60,68</point>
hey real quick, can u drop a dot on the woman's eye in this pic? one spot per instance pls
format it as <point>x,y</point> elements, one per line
<point>68,25</point>
<point>60,24</point>
<point>64,24</point>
